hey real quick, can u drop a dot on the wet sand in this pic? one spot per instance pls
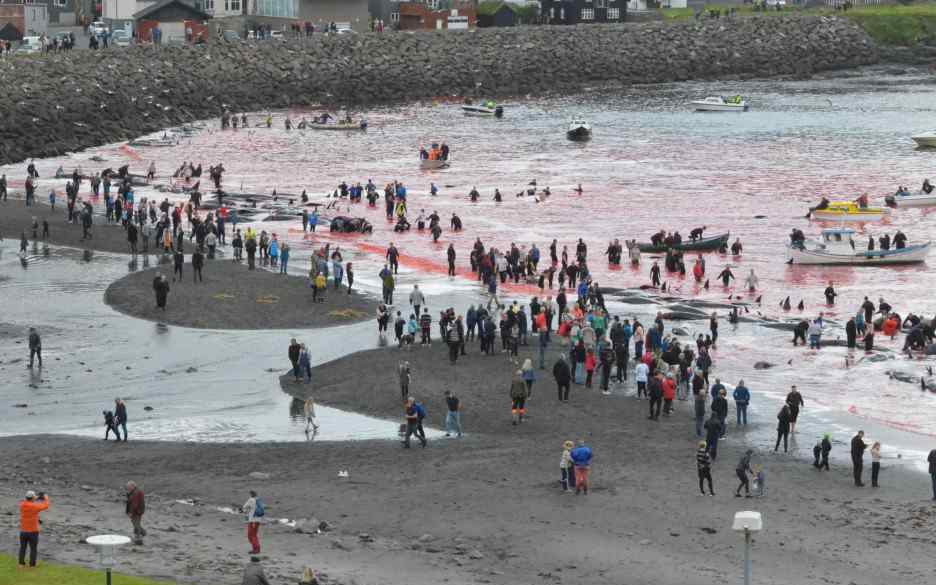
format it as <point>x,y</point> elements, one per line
<point>233,297</point>
<point>15,218</point>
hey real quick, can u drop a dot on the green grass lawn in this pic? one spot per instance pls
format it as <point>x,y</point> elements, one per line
<point>886,24</point>
<point>52,574</point>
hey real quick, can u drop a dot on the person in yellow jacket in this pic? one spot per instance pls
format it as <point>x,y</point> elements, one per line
<point>318,292</point>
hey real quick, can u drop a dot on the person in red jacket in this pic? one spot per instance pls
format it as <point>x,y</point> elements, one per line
<point>590,363</point>
<point>136,506</point>
<point>669,394</point>
<point>29,525</point>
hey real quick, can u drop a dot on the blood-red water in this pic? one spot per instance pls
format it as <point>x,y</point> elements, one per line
<point>652,164</point>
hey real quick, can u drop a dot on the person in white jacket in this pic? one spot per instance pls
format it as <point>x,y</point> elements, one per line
<point>250,508</point>
<point>417,299</point>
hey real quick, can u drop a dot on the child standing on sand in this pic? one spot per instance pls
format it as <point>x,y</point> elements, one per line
<point>318,295</point>
<point>566,468</point>
<point>760,481</point>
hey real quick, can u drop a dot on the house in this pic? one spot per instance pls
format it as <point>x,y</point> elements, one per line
<point>422,16</point>
<point>582,11</point>
<point>177,21</point>
<point>63,12</point>
<point>22,19</point>
<point>246,15</point>
<point>495,13</point>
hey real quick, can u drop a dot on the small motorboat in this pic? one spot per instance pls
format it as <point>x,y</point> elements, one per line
<point>921,199</point>
<point>849,211</point>
<point>155,142</point>
<point>700,245</point>
<point>720,104</point>
<point>487,108</point>
<point>925,140</point>
<point>428,164</point>
<point>579,130</point>
<point>362,125</point>
<point>837,246</point>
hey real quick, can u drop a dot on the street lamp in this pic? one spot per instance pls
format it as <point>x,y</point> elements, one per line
<point>747,522</point>
<point>106,544</point>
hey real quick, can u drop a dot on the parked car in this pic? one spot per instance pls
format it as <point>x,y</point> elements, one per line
<point>277,35</point>
<point>97,28</point>
<point>121,38</point>
<point>230,35</point>
<point>30,45</point>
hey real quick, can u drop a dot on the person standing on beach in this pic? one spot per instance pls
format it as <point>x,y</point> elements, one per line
<point>120,418</point>
<point>655,392</point>
<point>796,402</point>
<point>712,433</point>
<point>293,353</point>
<point>305,363</point>
<point>704,467</point>
<point>30,508</point>
<point>386,277</point>
<point>858,447</point>
<point>417,299</point>
<point>699,413</point>
<point>135,508</point>
<point>743,470</point>
<point>875,463</point>
<point>453,416</point>
<point>783,427</point>
<point>161,286</point>
<point>253,508</point>
<point>405,373</point>
<point>251,247</point>
<point>198,262</point>
<point>581,457</point>
<point>518,397</point>
<point>35,347</point>
<point>931,459</point>
<point>720,408</point>
<point>177,261</point>
<point>742,396</point>
<point>393,257</point>
<point>563,375</point>
<point>641,373</point>
<point>413,423</point>
<point>132,237</point>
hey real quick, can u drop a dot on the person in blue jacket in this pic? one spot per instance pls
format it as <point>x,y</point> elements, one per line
<point>742,396</point>
<point>581,458</point>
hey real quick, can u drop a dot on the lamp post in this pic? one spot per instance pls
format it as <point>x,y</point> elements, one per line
<point>106,544</point>
<point>747,522</point>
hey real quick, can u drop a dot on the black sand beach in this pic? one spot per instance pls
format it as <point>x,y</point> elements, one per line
<point>486,508</point>
<point>233,297</point>
<point>16,218</point>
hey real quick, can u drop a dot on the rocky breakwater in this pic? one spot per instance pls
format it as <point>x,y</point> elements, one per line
<point>65,102</point>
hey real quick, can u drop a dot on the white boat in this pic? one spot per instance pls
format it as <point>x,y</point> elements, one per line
<point>720,104</point>
<point>579,130</point>
<point>837,246</point>
<point>920,199</point>
<point>488,108</point>
<point>925,140</point>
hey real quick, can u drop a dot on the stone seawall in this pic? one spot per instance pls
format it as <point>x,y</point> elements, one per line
<point>65,102</point>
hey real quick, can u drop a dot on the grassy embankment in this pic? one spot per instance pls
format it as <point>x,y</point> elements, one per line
<point>52,574</point>
<point>888,25</point>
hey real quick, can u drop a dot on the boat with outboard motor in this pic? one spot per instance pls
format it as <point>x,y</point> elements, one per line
<point>720,104</point>
<point>579,130</point>
<point>837,246</point>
